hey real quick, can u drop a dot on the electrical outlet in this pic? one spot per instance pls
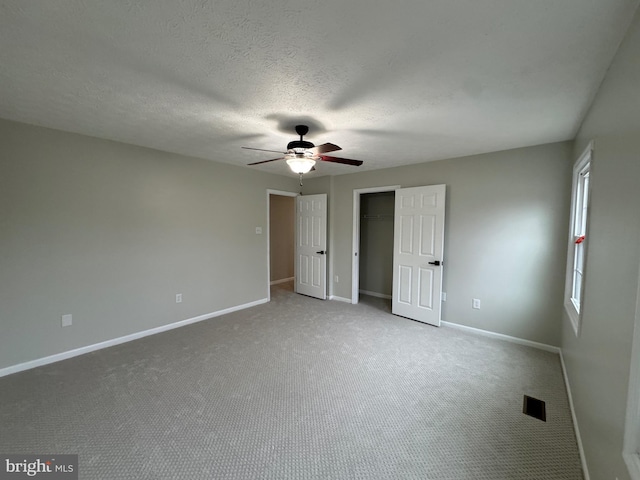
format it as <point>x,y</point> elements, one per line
<point>337,279</point>
<point>178,298</point>
<point>476,303</point>
<point>66,320</point>
<point>443,296</point>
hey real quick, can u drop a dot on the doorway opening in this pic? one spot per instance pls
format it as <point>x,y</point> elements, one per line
<point>372,269</point>
<point>281,217</point>
<point>376,248</point>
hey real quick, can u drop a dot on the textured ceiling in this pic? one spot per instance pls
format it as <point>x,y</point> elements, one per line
<point>391,82</point>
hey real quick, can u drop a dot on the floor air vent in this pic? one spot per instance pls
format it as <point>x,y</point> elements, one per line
<point>534,408</point>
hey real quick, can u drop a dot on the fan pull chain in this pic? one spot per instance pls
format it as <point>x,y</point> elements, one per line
<point>300,179</point>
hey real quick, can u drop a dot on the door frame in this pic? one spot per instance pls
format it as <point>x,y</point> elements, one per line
<point>355,246</point>
<point>282,193</point>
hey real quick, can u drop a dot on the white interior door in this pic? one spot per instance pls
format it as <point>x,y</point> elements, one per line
<point>417,253</point>
<point>311,245</point>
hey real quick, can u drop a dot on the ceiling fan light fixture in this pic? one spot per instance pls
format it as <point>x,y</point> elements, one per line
<point>300,164</point>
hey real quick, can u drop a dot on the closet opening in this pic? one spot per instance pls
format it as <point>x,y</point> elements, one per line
<point>373,246</point>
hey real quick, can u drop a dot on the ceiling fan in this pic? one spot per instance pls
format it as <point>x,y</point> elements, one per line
<point>301,156</point>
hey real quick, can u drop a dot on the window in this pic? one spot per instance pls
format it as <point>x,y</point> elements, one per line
<point>631,451</point>
<point>578,237</point>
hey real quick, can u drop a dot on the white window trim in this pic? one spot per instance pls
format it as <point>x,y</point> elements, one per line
<point>632,424</point>
<point>572,311</point>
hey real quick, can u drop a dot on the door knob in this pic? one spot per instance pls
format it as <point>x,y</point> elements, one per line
<point>321,252</point>
<point>436,263</point>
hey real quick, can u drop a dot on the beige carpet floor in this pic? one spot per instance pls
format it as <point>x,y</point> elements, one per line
<point>298,389</point>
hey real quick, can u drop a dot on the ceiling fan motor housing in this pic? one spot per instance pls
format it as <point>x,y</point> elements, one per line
<point>299,144</point>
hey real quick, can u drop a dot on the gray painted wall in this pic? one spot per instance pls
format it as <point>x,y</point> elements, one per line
<point>282,215</point>
<point>598,361</point>
<point>505,236</point>
<point>110,233</point>
<point>376,242</point>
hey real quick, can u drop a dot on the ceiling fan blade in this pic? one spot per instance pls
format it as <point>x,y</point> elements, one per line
<point>324,148</point>
<point>263,150</point>
<point>266,161</point>
<point>346,161</point>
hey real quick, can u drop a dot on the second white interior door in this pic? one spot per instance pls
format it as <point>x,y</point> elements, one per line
<point>418,252</point>
<point>311,245</point>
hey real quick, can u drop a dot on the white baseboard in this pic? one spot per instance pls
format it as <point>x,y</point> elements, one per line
<point>583,458</point>
<point>508,338</point>
<point>339,299</point>
<point>375,294</point>
<point>282,280</point>
<point>127,338</point>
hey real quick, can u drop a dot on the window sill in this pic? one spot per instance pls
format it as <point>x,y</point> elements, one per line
<point>574,317</point>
